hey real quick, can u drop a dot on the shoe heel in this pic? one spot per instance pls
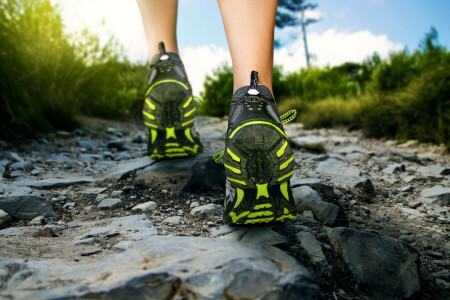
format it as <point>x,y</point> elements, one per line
<point>258,163</point>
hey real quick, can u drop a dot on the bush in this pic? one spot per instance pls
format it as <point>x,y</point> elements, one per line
<point>49,78</point>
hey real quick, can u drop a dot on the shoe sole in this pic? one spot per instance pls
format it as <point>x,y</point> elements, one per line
<point>169,113</point>
<point>258,163</point>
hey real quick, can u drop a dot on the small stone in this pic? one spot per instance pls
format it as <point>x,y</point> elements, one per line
<point>91,252</point>
<point>175,220</point>
<point>406,238</point>
<point>88,241</point>
<point>117,193</point>
<point>100,197</point>
<point>145,207</point>
<point>122,245</point>
<point>414,204</point>
<point>194,204</point>
<point>308,214</point>
<point>137,138</point>
<point>394,168</point>
<point>93,191</point>
<point>110,203</point>
<point>407,189</point>
<point>5,219</point>
<point>437,195</point>
<point>38,221</point>
<point>207,211</point>
<point>51,230</point>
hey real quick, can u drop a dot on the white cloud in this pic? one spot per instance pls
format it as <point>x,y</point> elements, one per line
<point>334,47</point>
<point>201,61</point>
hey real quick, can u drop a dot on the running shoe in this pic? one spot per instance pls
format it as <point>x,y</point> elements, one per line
<point>258,159</point>
<point>170,109</point>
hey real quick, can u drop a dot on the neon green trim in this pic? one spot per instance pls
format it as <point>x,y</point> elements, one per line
<point>150,116</point>
<point>284,190</point>
<point>177,155</point>
<point>286,176</point>
<point>237,171</point>
<point>150,125</point>
<point>290,216</point>
<point>236,218</point>
<point>187,102</point>
<point>172,145</point>
<point>154,134</point>
<point>150,104</point>
<point>163,81</point>
<point>282,149</point>
<point>262,190</point>
<point>189,112</point>
<point>286,163</point>
<point>233,156</point>
<point>175,150</point>
<point>170,133</point>
<point>255,123</point>
<point>188,122</point>
<point>193,149</point>
<point>238,181</point>
<point>260,214</point>
<point>240,196</point>
<point>260,206</point>
<point>254,221</point>
<point>187,133</point>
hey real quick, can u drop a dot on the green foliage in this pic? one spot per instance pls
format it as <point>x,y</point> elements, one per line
<point>48,77</point>
<point>217,93</point>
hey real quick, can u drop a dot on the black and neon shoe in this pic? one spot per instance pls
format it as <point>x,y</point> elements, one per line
<point>258,159</point>
<point>170,109</point>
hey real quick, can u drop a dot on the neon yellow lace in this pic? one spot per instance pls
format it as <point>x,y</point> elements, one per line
<point>285,118</point>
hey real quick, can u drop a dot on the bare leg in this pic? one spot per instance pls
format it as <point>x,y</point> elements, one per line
<point>160,24</point>
<point>249,26</point>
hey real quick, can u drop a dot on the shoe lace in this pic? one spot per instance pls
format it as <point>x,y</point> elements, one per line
<point>285,118</point>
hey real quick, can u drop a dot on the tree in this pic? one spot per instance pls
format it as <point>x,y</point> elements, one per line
<point>287,16</point>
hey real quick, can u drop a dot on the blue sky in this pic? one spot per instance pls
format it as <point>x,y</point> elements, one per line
<point>403,21</point>
<point>349,30</point>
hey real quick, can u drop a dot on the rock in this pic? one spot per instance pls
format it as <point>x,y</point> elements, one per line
<point>256,235</point>
<point>119,144</point>
<point>311,246</point>
<point>88,241</point>
<point>127,167</point>
<point>324,189</point>
<point>110,203</point>
<point>406,238</point>
<point>436,195</point>
<point>51,230</point>
<point>137,138</point>
<point>25,166</point>
<point>391,169</point>
<point>334,167</point>
<point>145,207</point>
<point>351,149</point>
<point>160,268</point>
<point>225,229</point>
<point>175,220</point>
<point>314,143</point>
<point>93,191</point>
<point>307,199</point>
<point>406,154</point>
<point>433,170</point>
<point>38,221</point>
<point>382,162</point>
<point>116,193</point>
<point>85,144</point>
<point>5,219</point>
<point>27,206</point>
<point>91,251</point>
<point>14,190</point>
<point>122,245</point>
<point>45,184</point>
<point>194,204</point>
<point>354,182</point>
<point>387,267</point>
<point>184,175</point>
<point>407,189</point>
<point>208,211</point>
<point>13,231</point>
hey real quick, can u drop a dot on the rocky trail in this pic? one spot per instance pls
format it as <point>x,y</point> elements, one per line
<point>85,214</point>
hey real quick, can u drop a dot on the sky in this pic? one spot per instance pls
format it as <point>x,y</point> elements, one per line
<point>348,30</point>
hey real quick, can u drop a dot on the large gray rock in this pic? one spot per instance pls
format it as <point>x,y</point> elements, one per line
<point>334,167</point>
<point>110,203</point>
<point>45,184</point>
<point>354,182</point>
<point>125,168</point>
<point>162,268</point>
<point>312,247</point>
<point>388,268</point>
<point>433,170</point>
<point>255,235</point>
<point>5,219</point>
<point>436,195</point>
<point>131,228</point>
<point>27,206</point>
<point>181,175</point>
<point>324,189</point>
<point>307,199</point>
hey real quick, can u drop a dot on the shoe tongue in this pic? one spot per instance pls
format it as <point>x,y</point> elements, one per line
<point>249,91</point>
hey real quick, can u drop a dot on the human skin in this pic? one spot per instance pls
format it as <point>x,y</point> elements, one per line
<point>249,27</point>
